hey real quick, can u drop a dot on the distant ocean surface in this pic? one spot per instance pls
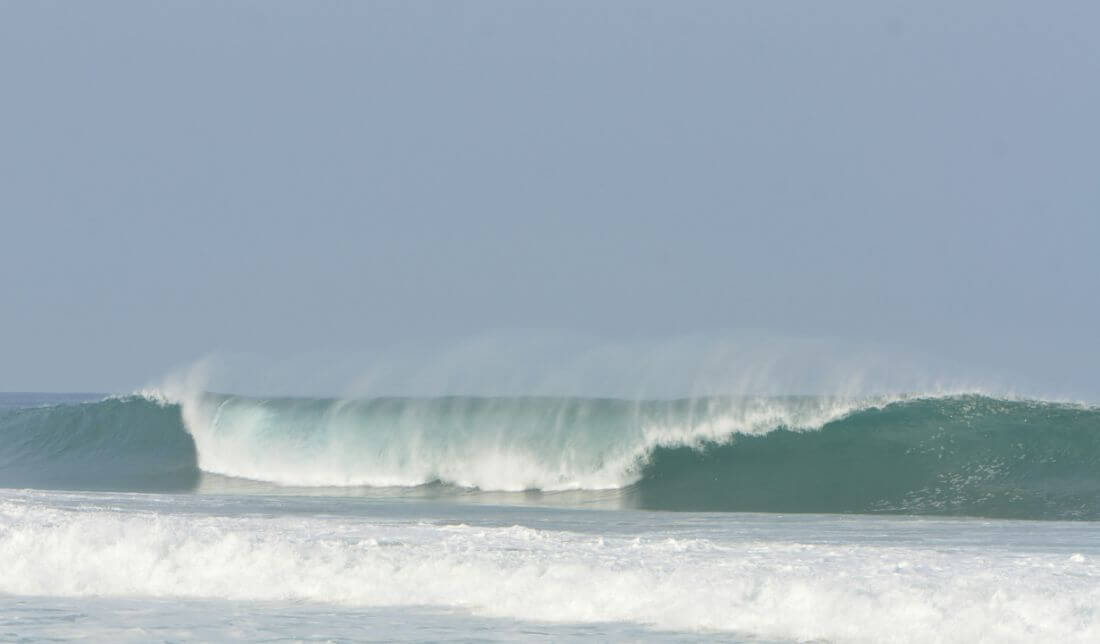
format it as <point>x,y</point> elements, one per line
<point>179,515</point>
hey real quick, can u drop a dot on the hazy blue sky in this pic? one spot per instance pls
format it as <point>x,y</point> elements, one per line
<point>347,178</point>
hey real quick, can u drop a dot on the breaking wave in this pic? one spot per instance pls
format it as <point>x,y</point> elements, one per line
<point>959,454</point>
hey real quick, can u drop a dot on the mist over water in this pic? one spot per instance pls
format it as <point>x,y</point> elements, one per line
<point>557,363</point>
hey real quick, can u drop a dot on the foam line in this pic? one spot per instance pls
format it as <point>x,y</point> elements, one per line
<point>773,588</point>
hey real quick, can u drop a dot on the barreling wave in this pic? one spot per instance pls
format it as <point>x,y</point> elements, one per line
<point>960,454</point>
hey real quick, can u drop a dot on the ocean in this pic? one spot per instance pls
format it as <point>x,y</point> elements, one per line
<point>189,515</point>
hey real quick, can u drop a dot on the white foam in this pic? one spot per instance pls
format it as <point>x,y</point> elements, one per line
<point>498,449</point>
<point>772,587</point>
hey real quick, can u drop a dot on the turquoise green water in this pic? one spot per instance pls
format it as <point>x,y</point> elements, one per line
<point>958,455</point>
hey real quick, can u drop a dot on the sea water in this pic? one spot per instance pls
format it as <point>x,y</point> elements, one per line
<point>214,517</point>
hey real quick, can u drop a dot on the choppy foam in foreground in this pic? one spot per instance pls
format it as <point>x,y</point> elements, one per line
<point>958,454</point>
<point>810,578</point>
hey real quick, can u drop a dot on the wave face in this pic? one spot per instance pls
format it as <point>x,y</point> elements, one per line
<point>964,455</point>
<point>115,444</point>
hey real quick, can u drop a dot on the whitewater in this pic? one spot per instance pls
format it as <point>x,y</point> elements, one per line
<point>185,514</point>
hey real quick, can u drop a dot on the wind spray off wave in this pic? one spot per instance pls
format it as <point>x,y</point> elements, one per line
<point>508,444</point>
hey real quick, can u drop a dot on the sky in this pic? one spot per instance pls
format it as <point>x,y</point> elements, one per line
<point>317,192</point>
